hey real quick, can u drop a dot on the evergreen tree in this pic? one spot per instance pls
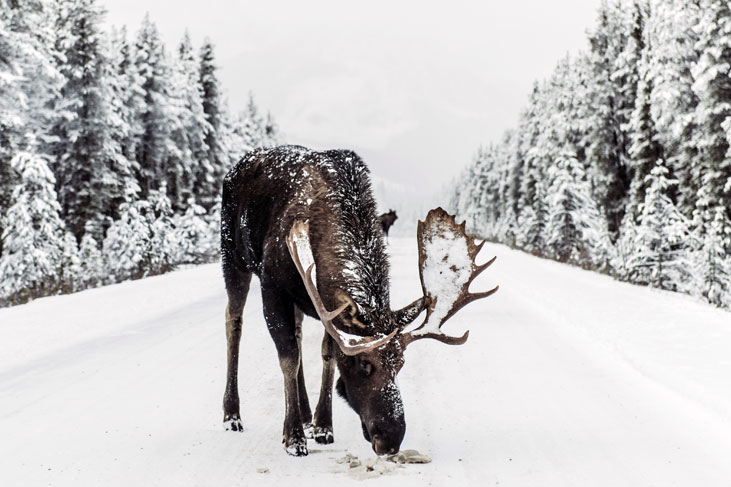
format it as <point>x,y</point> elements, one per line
<point>164,250</point>
<point>152,146</point>
<point>576,231</point>
<point>533,221</point>
<point>645,149</point>
<point>528,132</point>
<point>37,251</point>
<point>129,102</point>
<point>660,255</point>
<point>91,170</point>
<point>196,124</point>
<point>606,144</point>
<point>91,266</point>
<point>208,188</point>
<point>179,163</point>
<point>672,36</point>
<point>712,264</point>
<point>127,243</point>
<point>28,80</point>
<point>143,241</point>
<point>198,244</point>
<point>713,87</point>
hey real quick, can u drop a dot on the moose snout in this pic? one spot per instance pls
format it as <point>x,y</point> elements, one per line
<point>385,437</point>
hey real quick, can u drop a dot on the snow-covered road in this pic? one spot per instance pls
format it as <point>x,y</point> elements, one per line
<point>568,379</point>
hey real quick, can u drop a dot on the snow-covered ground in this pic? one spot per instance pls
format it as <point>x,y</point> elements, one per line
<point>568,379</point>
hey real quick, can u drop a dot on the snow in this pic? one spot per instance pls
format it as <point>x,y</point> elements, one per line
<point>447,269</point>
<point>569,379</point>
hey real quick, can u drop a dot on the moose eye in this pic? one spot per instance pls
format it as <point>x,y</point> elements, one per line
<point>366,367</point>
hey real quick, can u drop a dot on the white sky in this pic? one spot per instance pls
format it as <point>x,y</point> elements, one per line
<point>415,87</point>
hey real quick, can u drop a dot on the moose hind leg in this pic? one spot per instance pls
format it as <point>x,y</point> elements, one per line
<point>323,425</point>
<point>237,287</point>
<point>305,411</point>
<point>279,315</point>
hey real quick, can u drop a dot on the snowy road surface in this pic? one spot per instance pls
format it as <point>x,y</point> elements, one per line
<point>568,379</point>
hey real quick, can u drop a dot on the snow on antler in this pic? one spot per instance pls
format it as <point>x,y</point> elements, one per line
<point>447,268</point>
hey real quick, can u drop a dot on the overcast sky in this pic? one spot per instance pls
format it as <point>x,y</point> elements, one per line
<point>414,87</point>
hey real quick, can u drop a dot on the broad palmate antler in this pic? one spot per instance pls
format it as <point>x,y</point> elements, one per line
<point>447,268</point>
<point>298,243</point>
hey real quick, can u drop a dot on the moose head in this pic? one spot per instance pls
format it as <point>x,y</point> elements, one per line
<point>368,365</point>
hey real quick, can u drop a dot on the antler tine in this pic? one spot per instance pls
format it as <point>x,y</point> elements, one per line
<point>477,269</point>
<point>446,252</point>
<point>475,248</point>
<point>353,347</point>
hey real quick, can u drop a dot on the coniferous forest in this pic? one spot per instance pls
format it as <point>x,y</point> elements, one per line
<point>621,160</point>
<point>112,149</point>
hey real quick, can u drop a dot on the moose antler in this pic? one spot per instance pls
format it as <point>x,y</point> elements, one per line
<point>298,243</point>
<point>446,268</point>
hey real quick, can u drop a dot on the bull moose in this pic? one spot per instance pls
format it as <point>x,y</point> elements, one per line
<point>305,223</point>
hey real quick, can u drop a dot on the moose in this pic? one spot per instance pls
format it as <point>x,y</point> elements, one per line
<point>305,223</point>
<point>387,220</point>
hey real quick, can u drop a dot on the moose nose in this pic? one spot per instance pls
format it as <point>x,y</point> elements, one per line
<point>381,446</point>
<point>385,438</point>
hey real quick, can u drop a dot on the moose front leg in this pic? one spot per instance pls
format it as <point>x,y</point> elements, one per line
<point>279,315</point>
<point>323,425</point>
<point>305,411</point>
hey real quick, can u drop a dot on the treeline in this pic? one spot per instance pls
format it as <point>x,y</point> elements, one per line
<point>112,150</point>
<point>620,162</point>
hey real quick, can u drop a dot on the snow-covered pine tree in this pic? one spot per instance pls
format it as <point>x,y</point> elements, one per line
<point>125,92</point>
<point>28,80</point>
<point>563,235</point>
<point>645,149</point>
<point>198,244</point>
<point>91,170</point>
<point>576,230</point>
<point>254,128</point>
<point>127,243</point>
<point>91,265</point>
<point>208,188</point>
<point>713,88</point>
<point>129,104</point>
<point>37,251</point>
<point>152,147</point>
<point>532,222</point>
<point>477,207</point>
<point>71,265</point>
<point>528,132</point>
<point>179,161</point>
<point>196,124</point>
<point>165,248</point>
<point>661,256</point>
<point>626,74</point>
<point>672,36</point>
<point>712,263</point>
<point>605,141</point>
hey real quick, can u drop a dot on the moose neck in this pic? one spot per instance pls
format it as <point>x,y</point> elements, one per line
<point>351,256</point>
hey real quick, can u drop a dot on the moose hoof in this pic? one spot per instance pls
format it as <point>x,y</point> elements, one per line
<point>308,428</point>
<point>233,424</point>
<point>323,436</point>
<point>297,448</point>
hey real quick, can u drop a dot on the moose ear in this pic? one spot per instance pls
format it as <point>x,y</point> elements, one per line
<point>349,315</point>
